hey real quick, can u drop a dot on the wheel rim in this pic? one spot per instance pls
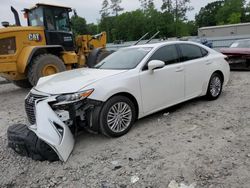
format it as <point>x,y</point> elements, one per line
<point>215,86</point>
<point>119,117</point>
<point>49,70</point>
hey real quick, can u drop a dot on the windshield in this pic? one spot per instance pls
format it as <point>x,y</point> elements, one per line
<point>241,44</point>
<point>124,59</point>
<point>36,17</point>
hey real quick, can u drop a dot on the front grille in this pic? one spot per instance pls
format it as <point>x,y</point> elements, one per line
<point>30,106</point>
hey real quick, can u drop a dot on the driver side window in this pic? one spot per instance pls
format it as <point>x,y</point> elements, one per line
<point>167,54</point>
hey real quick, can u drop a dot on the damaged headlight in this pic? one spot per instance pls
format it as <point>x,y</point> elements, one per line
<point>71,98</point>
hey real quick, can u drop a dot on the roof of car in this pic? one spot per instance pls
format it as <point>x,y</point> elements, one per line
<point>159,44</point>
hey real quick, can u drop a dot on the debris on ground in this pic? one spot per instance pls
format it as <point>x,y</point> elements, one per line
<point>191,146</point>
<point>174,184</point>
<point>134,179</point>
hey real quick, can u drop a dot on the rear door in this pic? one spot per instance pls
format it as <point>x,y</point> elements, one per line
<point>165,86</point>
<point>195,60</point>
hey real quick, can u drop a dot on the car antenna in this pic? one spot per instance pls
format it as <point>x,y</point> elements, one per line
<point>140,39</point>
<point>152,37</point>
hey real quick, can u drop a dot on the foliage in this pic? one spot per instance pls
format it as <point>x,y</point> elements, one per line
<point>231,12</point>
<point>207,14</point>
<point>179,8</point>
<point>246,15</point>
<point>79,25</point>
<point>147,4</point>
<point>92,29</point>
<point>105,9</point>
<point>170,21</point>
<point>115,7</point>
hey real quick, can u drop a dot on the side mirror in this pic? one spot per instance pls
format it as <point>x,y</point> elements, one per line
<point>155,64</point>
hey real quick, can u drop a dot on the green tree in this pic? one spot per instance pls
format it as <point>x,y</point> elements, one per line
<point>130,26</point>
<point>106,24</point>
<point>231,12</point>
<point>79,25</point>
<point>246,16</point>
<point>192,28</point>
<point>105,9</point>
<point>234,18</point>
<point>143,4</point>
<point>167,5</point>
<point>177,7</point>
<point>92,29</point>
<point>116,6</point>
<point>207,14</point>
<point>147,4</point>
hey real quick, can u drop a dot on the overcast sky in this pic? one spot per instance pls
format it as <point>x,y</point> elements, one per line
<point>87,9</point>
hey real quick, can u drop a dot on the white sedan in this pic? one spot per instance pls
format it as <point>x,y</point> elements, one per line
<point>129,84</point>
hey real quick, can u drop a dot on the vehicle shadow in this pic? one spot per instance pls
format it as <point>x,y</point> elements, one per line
<point>8,89</point>
<point>171,110</point>
<point>85,139</point>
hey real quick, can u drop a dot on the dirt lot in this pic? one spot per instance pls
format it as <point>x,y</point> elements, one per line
<point>201,142</point>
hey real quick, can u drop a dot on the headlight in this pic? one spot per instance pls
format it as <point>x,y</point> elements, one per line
<point>71,98</point>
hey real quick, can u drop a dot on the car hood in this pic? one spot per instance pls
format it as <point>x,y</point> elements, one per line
<point>235,51</point>
<point>73,81</point>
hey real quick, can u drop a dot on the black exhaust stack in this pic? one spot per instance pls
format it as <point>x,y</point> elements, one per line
<point>17,20</point>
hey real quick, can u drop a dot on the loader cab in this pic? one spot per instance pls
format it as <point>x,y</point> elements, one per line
<point>56,21</point>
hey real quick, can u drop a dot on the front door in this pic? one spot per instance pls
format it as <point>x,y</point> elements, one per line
<point>164,87</point>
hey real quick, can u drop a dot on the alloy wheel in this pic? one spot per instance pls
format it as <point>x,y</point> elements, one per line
<point>119,117</point>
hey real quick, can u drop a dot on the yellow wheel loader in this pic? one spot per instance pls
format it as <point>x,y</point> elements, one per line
<point>46,46</point>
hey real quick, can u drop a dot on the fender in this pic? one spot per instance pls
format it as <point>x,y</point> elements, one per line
<point>28,52</point>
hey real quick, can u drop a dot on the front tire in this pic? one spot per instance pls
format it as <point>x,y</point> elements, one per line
<point>214,87</point>
<point>44,65</point>
<point>117,116</point>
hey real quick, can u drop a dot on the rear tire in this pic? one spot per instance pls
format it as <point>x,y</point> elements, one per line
<point>117,116</point>
<point>22,83</point>
<point>44,65</point>
<point>214,87</point>
<point>25,142</point>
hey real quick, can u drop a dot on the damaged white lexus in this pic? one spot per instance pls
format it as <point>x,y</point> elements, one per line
<point>127,85</point>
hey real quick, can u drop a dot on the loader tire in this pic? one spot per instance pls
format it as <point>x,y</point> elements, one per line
<point>102,55</point>
<point>96,56</point>
<point>22,83</point>
<point>25,142</point>
<point>44,65</point>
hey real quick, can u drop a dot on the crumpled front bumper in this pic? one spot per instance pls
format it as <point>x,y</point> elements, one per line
<point>52,130</point>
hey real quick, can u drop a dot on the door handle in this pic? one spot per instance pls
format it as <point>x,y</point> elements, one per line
<point>209,62</point>
<point>179,69</point>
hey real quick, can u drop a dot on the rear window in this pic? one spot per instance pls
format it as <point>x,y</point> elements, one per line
<point>241,44</point>
<point>190,52</point>
<point>204,52</point>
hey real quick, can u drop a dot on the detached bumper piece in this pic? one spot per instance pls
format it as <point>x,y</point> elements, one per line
<point>26,143</point>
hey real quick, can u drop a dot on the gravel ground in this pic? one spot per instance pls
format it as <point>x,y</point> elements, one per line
<point>200,142</point>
